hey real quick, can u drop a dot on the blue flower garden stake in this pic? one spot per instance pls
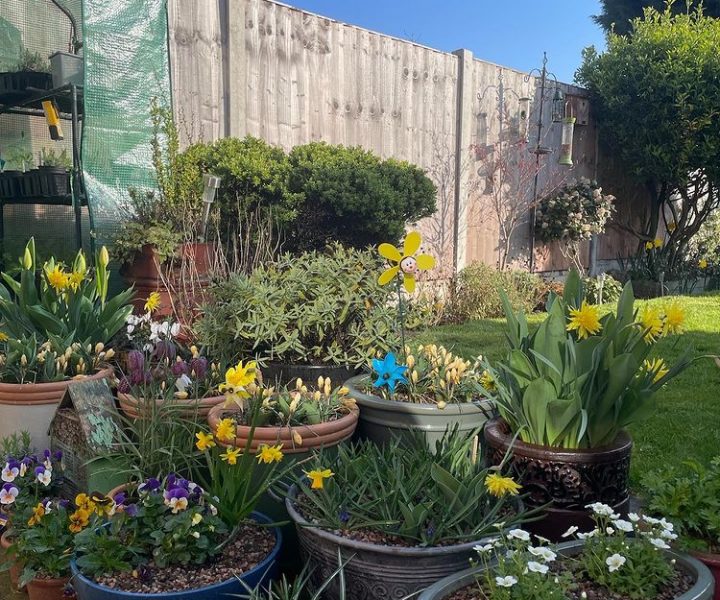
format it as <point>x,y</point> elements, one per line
<point>389,372</point>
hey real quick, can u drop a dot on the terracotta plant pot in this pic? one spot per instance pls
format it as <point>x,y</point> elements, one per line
<point>701,589</point>
<point>712,562</point>
<point>185,408</point>
<point>322,435</point>
<point>569,479</point>
<point>47,589</point>
<point>382,420</point>
<point>374,571</point>
<point>16,568</point>
<point>148,275</point>
<point>31,406</point>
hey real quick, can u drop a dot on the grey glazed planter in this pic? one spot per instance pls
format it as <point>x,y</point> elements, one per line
<point>381,420</point>
<point>372,571</point>
<point>702,590</point>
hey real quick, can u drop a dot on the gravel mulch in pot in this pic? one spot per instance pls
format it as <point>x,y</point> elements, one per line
<point>252,545</point>
<point>680,583</point>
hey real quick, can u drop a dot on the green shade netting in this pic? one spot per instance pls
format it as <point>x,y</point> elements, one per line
<point>126,66</point>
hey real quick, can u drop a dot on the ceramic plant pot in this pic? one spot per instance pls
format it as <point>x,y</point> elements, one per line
<point>47,589</point>
<point>382,420</point>
<point>133,408</point>
<point>712,562</point>
<point>701,590</point>
<point>372,571</point>
<point>263,572</point>
<point>566,479</point>
<point>31,406</point>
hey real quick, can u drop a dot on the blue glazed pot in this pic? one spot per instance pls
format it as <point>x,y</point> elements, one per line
<point>264,572</point>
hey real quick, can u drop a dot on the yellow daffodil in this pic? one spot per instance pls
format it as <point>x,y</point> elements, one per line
<point>225,431</point>
<point>406,261</point>
<point>500,486</point>
<point>657,367</point>
<point>230,456</point>
<point>657,243</point>
<point>584,320</point>
<point>269,454</point>
<point>318,477</point>
<point>651,323</point>
<point>674,319</point>
<point>57,278</point>
<point>152,303</point>
<point>38,514</point>
<point>702,263</point>
<point>649,246</point>
<point>79,520</point>
<point>3,336</point>
<point>487,381</point>
<point>75,279</point>
<point>204,441</point>
<point>237,378</point>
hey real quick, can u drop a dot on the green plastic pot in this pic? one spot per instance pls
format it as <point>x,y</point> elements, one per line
<point>383,420</point>
<point>701,590</point>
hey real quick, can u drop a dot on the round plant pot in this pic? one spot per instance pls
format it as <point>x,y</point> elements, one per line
<point>383,420</point>
<point>31,406</point>
<point>701,590</point>
<point>263,572</point>
<point>133,408</point>
<point>372,571</point>
<point>285,373</point>
<point>47,589</point>
<point>322,435</point>
<point>712,562</point>
<point>148,274</point>
<point>15,568</point>
<point>566,479</point>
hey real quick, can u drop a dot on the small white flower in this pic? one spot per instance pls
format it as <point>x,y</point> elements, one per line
<point>182,383</point>
<point>8,474</point>
<point>651,520</point>
<point>519,534</point>
<point>601,509</point>
<point>588,535</point>
<point>634,517</point>
<point>573,529</point>
<point>545,553</point>
<point>666,525</point>
<point>623,525</point>
<point>174,329</point>
<point>583,595</point>
<point>44,477</point>
<point>484,549</point>
<point>614,562</point>
<point>196,534</point>
<point>659,543</point>
<point>537,567</point>
<point>7,496</point>
<point>668,535</point>
<point>507,581</point>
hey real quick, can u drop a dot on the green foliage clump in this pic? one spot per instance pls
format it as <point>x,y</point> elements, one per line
<point>354,197</point>
<point>477,292</point>
<point>319,307</point>
<point>602,289</point>
<point>50,158</point>
<point>690,497</point>
<point>654,93</point>
<point>32,61</point>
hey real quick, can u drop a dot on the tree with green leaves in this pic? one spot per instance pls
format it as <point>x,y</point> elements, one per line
<point>655,96</point>
<point>617,15</point>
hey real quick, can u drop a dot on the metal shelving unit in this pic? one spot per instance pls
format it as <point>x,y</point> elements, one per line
<point>69,100</point>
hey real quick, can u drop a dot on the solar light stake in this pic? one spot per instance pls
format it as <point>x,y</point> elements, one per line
<point>211,183</point>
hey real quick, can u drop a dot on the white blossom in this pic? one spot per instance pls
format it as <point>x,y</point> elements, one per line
<point>519,534</point>
<point>623,525</point>
<point>614,562</point>
<point>507,581</point>
<point>537,567</point>
<point>571,530</point>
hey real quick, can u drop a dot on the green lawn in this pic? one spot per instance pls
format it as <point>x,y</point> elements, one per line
<point>686,424</point>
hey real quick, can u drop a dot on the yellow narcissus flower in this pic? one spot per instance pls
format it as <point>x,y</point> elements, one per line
<point>75,279</point>
<point>152,303</point>
<point>225,431</point>
<point>649,246</point>
<point>657,243</point>
<point>487,381</point>
<point>584,320</point>
<point>702,263</point>
<point>317,477</point>
<point>405,262</point>
<point>237,378</point>
<point>656,366</point>
<point>57,278</point>
<point>651,323</point>
<point>674,319</point>
<point>269,454</point>
<point>230,456</point>
<point>204,441</point>
<point>500,486</point>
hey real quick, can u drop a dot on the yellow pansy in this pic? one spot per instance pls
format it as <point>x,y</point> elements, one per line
<point>317,477</point>
<point>79,520</point>
<point>204,441</point>
<point>225,431</point>
<point>230,456</point>
<point>269,454</point>
<point>500,486</point>
<point>406,262</point>
<point>584,320</point>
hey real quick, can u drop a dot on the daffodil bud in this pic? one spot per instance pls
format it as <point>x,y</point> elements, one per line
<point>294,404</point>
<point>442,404</point>
<point>410,361</point>
<point>80,265</point>
<point>99,347</point>
<point>328,387</point>
<point>414,376</point>
<point>297,438</point>
<point>109,354</point>
<point>27,262</point>
<point>104,257</point>
<point>298,383</point>
<point>321,382</point>
<point>317,395</point>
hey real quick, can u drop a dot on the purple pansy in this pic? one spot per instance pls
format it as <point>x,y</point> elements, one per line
<point>150,485</point>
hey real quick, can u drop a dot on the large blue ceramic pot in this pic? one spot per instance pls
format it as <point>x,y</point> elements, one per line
<point>264,572</point>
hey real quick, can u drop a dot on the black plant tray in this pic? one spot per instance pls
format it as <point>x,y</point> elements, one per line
<point>17,86</point>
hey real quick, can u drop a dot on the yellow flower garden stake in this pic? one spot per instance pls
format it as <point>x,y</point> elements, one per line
<point>405,265</point>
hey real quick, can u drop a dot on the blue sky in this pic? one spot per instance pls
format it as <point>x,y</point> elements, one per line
<point>512,33</point>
